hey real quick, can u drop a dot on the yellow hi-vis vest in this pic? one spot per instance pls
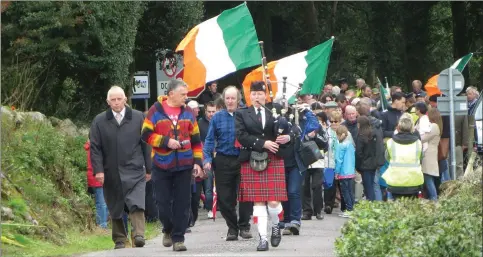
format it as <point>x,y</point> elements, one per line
<point>404,165</point>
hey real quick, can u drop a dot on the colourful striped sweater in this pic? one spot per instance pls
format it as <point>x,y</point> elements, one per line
<point>158,129</point>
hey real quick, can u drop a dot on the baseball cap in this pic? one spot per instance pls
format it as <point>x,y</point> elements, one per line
<point>193,104</point>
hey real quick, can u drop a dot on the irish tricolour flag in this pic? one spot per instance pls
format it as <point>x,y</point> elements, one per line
<point>308,67</point>
<point>219,46</point>
<point>431,86</point>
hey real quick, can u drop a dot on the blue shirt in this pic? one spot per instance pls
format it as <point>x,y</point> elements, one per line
<point>222,131</point>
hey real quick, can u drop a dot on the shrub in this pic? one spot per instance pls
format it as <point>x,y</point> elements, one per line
<point>413,227</point>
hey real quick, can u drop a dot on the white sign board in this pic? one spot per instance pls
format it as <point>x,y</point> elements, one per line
<point>141,85</point>
<point>162,87</point>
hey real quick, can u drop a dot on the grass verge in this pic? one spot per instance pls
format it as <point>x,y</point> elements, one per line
<point>75,243</point>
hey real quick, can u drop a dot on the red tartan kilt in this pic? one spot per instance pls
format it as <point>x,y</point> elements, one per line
<point>263,186</point>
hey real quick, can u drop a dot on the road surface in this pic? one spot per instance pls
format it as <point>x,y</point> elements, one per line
<point>208,239</point>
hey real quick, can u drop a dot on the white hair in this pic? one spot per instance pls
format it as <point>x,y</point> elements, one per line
<point>335,90</point>
<point>350,107</point>
<point>361,79</point>
<point>114,90</point>
<point>473,90</point>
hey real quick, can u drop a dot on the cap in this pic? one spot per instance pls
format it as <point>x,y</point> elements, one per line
<point>375,91</point>
<point>258,86</point>
<point>193,104</point>
<point>331,104</point>
<point>342,80</point>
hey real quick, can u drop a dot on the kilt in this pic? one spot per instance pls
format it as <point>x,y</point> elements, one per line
<point>263,186</point>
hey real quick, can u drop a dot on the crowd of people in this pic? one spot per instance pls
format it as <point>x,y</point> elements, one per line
<point>257,160</point>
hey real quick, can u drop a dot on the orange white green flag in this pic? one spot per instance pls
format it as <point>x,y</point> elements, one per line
<point>307,67</point>
<point>219,46</point>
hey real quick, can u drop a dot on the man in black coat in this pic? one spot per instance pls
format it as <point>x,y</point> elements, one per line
<point>391,117</point>
<point>121,161</point>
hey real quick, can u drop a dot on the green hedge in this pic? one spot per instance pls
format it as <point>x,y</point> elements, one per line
<point>414,227</point>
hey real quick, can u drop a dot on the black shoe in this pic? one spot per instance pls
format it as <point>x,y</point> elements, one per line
<point>306,217</point>
<point>192,224</point>
<point>276,236</point>
<point>319,216</point>
<point>120,245</point>
<point>232,235</point>
<point>246,234</point>
<point>188,230</point>
<point>262,245</point>
<point>295,229</point>
<point>139,241</point>
<point>328,209</point>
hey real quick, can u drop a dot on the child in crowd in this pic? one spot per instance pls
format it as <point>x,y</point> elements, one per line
<point>345,172</point>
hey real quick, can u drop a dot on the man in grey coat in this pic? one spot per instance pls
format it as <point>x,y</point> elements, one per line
<point>121,161</point>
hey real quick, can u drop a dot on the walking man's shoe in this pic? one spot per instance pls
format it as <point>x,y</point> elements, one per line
<point>139,241</point>
<point>179,247</point>
<point>286,231</point>
<point>319,216</point>
<point>306,217</point>
<point>276,236</point>
<point>232,235</point>
<point>246,234</point>
<point>167,241</point>
<point>120,245</point>
<point>295,229</point>
<point>262,245</point>
<point>328,209</point>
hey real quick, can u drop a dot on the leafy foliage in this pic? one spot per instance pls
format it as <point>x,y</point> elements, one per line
<point>76,50</point>
<point>45,180</point>
<point>450,227</point>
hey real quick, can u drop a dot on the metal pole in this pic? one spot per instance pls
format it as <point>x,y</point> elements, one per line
<point>451,125</point>
<point>146,107</point>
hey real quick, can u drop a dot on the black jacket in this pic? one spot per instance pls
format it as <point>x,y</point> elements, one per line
<point>389,120</point>
<point>203,124</point>
<point>250,133</point>
<point>370,151</point>
<point>352,127</point>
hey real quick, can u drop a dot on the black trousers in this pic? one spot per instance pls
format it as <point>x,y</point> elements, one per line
<point>195,200</point>
<point>312,192</point>
<point>172,192</point>
<point>330,193</point>
<point>227,180</point>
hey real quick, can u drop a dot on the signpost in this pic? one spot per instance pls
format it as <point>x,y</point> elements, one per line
<point>140,89</point>
<point>451,82</point>
<point>166,70</point>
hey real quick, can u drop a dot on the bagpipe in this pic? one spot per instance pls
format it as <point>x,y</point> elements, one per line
<point>281,124</point>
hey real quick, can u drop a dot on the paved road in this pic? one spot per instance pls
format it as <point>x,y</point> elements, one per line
<point>208,239</point>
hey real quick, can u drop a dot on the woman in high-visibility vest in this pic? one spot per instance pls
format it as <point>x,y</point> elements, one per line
<point>404,176</point>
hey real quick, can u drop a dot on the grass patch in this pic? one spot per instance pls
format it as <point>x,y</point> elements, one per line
<point>76,243</point>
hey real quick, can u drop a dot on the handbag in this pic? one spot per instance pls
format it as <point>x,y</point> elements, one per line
<point>259,161</point>
<point>329,175</point>
<point>309,152</point>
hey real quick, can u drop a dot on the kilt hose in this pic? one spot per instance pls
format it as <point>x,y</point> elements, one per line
<point>263,186</point>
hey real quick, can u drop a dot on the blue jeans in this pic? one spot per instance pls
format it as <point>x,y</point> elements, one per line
<point>368,184</point>
<point>346,186</point>
<point>208,189</point>
<point>444,170</point>
<point>101,207</point>
<point>429,184</point>
<point>293,207</point>
<point>377,187</point>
